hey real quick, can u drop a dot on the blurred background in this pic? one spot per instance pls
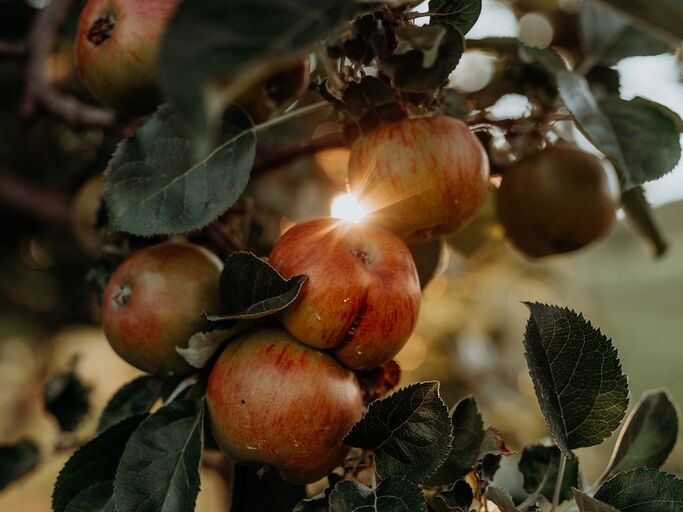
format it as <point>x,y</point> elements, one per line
<point>469,336</point>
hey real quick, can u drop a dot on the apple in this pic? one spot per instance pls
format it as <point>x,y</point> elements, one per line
<point>272,400</point>
<point>85,208</point>
<point>419,177</point>
<point>362,295</point>
<point>117,49</point>
<point>557,201</point>
<point>154,302</point>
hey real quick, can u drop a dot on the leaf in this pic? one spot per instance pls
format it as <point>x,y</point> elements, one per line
<point>607,36</point>
<point>425,38</point>
<point>545,58</point>
<point>156,185</point>
<point>468,435</point>
<point>459,497</point>
<point>643,490</point>
<point>648,435</point>
<point>459,14</point>
<point>213,51</point>
<point>577,377</point>
<point>159,469</point>
<point>86,482</point>
<point>371,102</point>
<point>133,398</point>
<point>588,504</point>
<point>539,465</point>
<point>251,288</point>
<point>663,16</point>
<point>391,495</point>
<point>203,345</point>
<point>494,444</point>
<point>66,398</point>
<point>319,502</point>
<point>16,460</point>
<point>409,431</point>
<point>639,213</point>
<point>501,498</point>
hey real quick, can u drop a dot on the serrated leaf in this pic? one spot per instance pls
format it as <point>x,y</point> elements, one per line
<point>468,435</point>
<point>66,398</point>
<point>540,464</point>
<point>16,460</point>
<point>159,469</point>
<point>86,482</point>
<point>391,495</point>
<point>133,398</point>
<point>643,490</point>
<point>459,14</point>
<point>409,431</point>
<point>494,444</point>
<point>607,37</point>
<point>663,16</point>
<point>577,376</point>
<point>501,498</point>
<point>459,497</point>
<point>587,503</point>
<point>251,288</point>
<point>156,184</point>
<point>648,435</point>
<point>203,345</point>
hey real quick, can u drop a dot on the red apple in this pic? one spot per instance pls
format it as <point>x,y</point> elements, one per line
<point>362,296</point>
<point>557,201</point>
<point>419,177</point>
<point>272,400</point>
<point>117,49</point>
<point>154,301</point>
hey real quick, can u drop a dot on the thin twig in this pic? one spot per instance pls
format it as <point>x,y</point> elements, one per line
<point>39,204</point>
<point>558,482</point>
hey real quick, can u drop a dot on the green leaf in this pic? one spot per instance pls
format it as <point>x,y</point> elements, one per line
<point>539,465</point>
<point>648,435</point>
<point>577,377</point>
<point>501,498</point>
<point>391,495</point>
<point>213,51</point>
<point>66,398</point>
<point>157,186</point>
<point>425,38</point>
<point>607,37</point>
<point>86,482</point>
<point>468,435</point>
<point>159,469</point>
<point>459,14</point>
<point>409,431</point>
<point>16,460</point>
<point>136,397</point>
<point>587,503</point>
<point>251,288</point>
<point>545,58</point>
<point>663,16</point>
<point>643,490</point>
<point>459,497</point>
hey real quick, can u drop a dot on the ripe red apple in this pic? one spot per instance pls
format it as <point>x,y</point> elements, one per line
<point>362,296</point>
<point>272,400</point>
<point>154,301</point>
<point>117,49</point>
<point>557,201</point>
<point>419,177</point>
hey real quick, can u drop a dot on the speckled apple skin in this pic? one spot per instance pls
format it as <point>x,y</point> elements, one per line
<point>274,401</point>
<point>122,71</point>
<point>362,295</point>
<point>170,285</point>
<point>419,177</point>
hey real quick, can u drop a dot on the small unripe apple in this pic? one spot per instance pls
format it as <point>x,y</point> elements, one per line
<point>85,208</point>
<point>557,201</point>
<point>419,177</point>
<point>272,400</point>
<point>117,49</point>
<point>154,302</point>
<point>362,295</point>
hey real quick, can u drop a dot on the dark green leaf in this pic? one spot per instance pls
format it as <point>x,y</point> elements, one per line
<point>545,58</point>
<point>643,490</point>
<point>391,495</point>
<point>663,16</point>
<point>86,482</point>
<point>319,503</point>
<point>501,498</point>
<point>66,398</point>
<point>409,431</point>
<point>468,435</point>
<point>648,435</point>
<point>370,102</point>
<point>459,497</point>
<point>459,14</point>
<point>577,377</point>
<point>16,460</point>
<point>452,104</point>
<point>425,38</point>
<point>607,37</point>
<point>539,465</point>
<point>136,397</point>
<point>159,469</point>
<point>587,503</point>
<point>639,213</point>
<point>156,185</point>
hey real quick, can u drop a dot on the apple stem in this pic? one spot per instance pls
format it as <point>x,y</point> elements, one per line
<point>184,384</point>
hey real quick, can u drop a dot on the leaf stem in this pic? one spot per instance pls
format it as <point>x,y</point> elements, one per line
<point>533,497</point>
<point>313,107</point>
<point>558,482</point>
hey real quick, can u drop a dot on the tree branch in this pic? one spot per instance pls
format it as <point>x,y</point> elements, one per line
<point>14,49</point>
<point>40,204</point>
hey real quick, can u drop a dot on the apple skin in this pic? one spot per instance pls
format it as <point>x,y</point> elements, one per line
<point>362,295</point>
<point>272,400</point>
<point>419,177</point>
<point>117,50</point>
<point>557,201</point>
<point>154,301</point>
